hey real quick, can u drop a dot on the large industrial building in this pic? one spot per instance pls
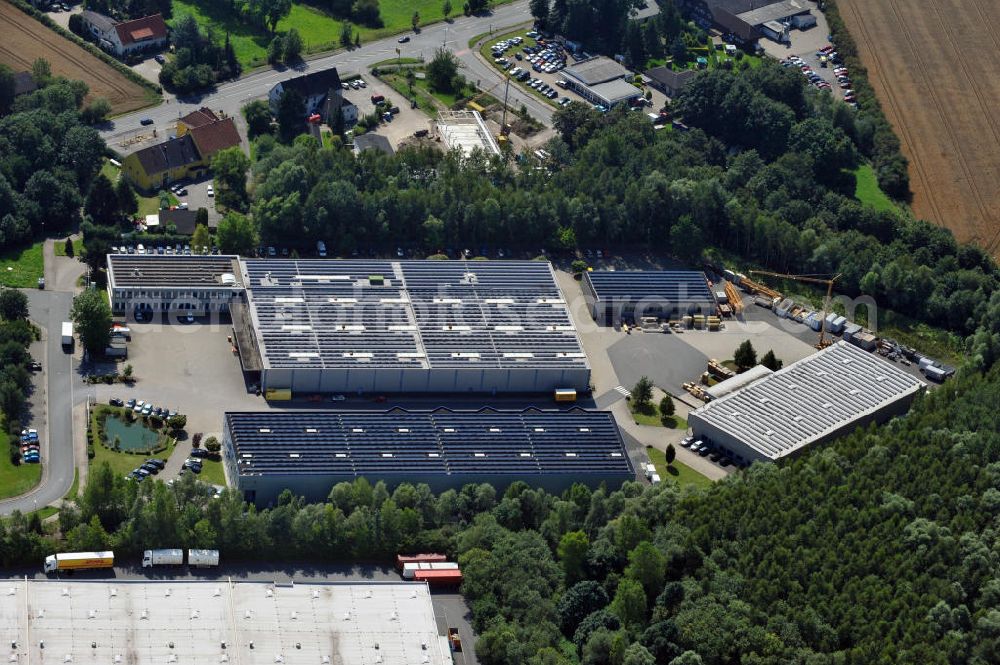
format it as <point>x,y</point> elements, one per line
<point>123,622</point>
<point>372,326</point>
<point>601,80</point>
<point>408,326</point>
<point>826,395</point>
<point>615,296</point>
<point>171,284</point>
<point>310,451</point>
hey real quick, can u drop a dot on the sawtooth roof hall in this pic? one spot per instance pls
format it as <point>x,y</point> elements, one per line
<point>310,451</point>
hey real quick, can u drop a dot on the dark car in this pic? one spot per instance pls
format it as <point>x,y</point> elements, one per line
<point>199,452</point>
<point>114,401</point>
<point>146,121</point>
<point>159,58</point>
<point>151,468</point>
<point>158,463</point>
<point>36,366</point>
<point>403,40</point>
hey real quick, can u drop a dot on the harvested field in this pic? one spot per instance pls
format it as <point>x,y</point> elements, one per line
<point>935,67</point>
<point>25,39</point>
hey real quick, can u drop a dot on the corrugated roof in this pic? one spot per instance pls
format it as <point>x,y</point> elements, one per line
<point>523,443</point>
<point>670,78</point>
<point>774,12</point>
<point>164,271</point>
<point>734,383</point>
<point>676,286</point>
<point>596,70</point>
<point>808,400</point>
<point>99,21</point>
<point>616,90</point>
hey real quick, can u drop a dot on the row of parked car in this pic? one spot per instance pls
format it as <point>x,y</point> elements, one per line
<point>179,250</point>
<point>30,451</point>
<point>140,407</point>
<point>706,450</point>
<point>150,467</point>
<point>355,84</point>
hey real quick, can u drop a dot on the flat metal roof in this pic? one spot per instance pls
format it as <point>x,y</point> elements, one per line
<point>172,271</point>
<point>774,12</point>
<point>410,314</point>
<point>808,400</point>
<point>598,69</point>
<point>616,90</point>
<point>122,622</point>
<point>678,286</point>
<point>525,443</point>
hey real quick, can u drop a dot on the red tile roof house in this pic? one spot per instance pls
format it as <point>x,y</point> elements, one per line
<point>148,33</point>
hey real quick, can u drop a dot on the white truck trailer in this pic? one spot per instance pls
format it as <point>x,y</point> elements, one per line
<point>162,558</point>
<point>203,558</point>
<point>67,333</point>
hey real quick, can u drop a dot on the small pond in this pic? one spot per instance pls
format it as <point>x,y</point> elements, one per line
<point>131,436</point>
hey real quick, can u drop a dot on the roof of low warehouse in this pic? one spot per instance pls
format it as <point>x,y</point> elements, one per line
<point>523,443</point>
<point>808,400</point>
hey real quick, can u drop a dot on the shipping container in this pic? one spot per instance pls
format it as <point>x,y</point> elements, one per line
<point>278,394</point>
<point>565,395</point>
<point>438,577</point>
<point>402,559</point>
<point>411,569</point>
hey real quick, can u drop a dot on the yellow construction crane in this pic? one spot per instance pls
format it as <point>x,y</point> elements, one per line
<point>812,279</point>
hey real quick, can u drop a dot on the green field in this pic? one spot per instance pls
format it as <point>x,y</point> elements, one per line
<point>110,171</point>
<point>677,471</point>
<point>212,473</point>
<point>15,480</point>
<point>867,191</point>
<point>426,101</point>
<point>653,419</point>
<point>21,268</point>
<point>320,31</point>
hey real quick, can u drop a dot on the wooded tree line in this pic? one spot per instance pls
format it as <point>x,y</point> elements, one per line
<point>199,59</point>
<point>880,547</point>
<point>47,158</point>
<point>130,9</point>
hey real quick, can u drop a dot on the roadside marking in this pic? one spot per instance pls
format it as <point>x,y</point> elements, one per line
<point>461,53</point>
<point>624,391</point>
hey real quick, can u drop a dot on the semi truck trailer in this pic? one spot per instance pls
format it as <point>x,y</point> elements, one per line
<point>67,561</point>
<point>162,558</point>
<point>203,558</point>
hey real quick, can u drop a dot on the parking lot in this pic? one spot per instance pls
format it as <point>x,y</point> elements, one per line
<point>402,125</point>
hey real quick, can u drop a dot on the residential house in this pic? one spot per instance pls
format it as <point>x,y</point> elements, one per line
<point>187,155</point>
<point>124,38</point>
<point>668,81</point>
<point>322,93</point>
<point>372,141</point>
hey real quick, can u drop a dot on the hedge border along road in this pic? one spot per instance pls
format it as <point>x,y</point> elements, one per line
<point>886,154</point>
<point>152,92</point>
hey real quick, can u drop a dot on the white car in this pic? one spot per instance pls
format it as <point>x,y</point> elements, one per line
<point>337,398</point>
<point>362,83</point>
<point>210,191</point>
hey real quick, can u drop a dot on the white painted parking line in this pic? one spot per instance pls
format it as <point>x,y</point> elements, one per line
<point>624,391</point>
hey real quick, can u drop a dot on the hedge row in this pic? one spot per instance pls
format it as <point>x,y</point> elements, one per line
<point>90,48</point>
<point>887,157</point>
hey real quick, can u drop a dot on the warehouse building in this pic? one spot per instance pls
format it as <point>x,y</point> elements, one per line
<point>601,80</point>
<point>616,296</point>
<point>309,452</point>
<point>318,326</point>
<point>818,398</point>
<point>161,284</point>
<point>142,622</point>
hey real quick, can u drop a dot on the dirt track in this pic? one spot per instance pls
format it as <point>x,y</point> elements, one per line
<point>936,69</point>
<point>25,39</point>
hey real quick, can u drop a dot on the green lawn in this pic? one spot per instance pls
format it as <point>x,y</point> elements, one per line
<point>320,31</point>
<point>867,191</point>
<point>396,62</point>
<point>110,171</point>
<point>21,268</point>
<point>677,471</point>
<point>60,247</point>
<point>653,418</point>
<point>425,101</point>
<point>150,205</point>
<point>15,480</point>
<point>212,473</point>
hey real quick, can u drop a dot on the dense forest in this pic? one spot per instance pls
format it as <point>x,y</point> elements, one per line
<point>883,547</point>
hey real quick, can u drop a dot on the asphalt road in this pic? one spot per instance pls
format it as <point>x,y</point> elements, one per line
<point>49,309</point>
<point>232,96</point>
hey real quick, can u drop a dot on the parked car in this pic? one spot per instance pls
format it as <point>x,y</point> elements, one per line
<point>114,401</point>
<point>158,463</point>
<point>199,452</point>
<point>159,59</point>
<point>210,191</point>
<point>403,39</point>
<point>146,121</point>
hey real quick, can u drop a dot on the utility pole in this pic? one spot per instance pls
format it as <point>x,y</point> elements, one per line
<point>503,125</point>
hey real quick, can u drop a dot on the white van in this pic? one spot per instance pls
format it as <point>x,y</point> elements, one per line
<point>321,248</point>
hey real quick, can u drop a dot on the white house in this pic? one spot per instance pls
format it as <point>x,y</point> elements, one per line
<point>124,38</point>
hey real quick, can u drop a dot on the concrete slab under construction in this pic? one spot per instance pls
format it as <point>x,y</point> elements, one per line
<point>466,131</point>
